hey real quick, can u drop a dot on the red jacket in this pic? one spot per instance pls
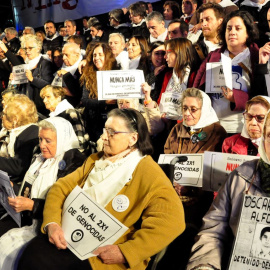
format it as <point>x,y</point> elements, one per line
<point>236,144</point>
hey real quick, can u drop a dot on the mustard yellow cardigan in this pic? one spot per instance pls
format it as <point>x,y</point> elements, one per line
<point>155,216</point>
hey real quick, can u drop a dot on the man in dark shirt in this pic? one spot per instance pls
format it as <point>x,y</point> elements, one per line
<point>12,42</point>
<point>52,40</point>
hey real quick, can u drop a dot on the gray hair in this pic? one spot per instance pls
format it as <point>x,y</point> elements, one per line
<point>192,92</point>
<point>72,22</point>
<point>120,35</point>
<point>75,47</point>
<point>155,15</point>
<point>33,38</point>
<point>91,21</point>
<point>11,30</point>
<point>44,124</point>
<point>32,30</point>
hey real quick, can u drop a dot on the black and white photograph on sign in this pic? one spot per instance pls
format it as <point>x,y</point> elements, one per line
<point>261,242</point>
<point>251,249</point>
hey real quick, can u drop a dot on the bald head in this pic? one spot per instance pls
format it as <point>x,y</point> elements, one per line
<point>71,53</point>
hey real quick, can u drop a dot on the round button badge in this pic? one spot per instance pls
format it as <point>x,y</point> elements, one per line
<point>120,203</point>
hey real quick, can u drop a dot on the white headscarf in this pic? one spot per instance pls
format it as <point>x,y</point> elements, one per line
<point>244,132</point>
<point>208,115</point>
<point>43,172</point>
<point>261,149</point>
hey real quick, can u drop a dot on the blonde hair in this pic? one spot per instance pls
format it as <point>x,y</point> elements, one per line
<point>57,91</point>
<point>21,107</point>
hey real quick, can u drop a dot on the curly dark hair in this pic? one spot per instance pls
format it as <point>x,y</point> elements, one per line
<point>89,77</point>
<point>252,30</point>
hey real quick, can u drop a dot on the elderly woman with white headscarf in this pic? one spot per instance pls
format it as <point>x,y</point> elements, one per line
<point>200,131</point>
<point>59,157</point>
<point>247,142</point>
<point>215,238</point>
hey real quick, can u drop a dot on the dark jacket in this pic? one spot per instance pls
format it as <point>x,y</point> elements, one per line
<point>72,83</point>
<point>49,45</point>
<point>17,166</point>
<point>43,75</point>
<point>94,114</point>
<point>14,45</point>
<point>124,29</point>
<point>141,30</point>
<point>6,68</point>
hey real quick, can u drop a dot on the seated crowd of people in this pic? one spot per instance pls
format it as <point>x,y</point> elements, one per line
<point>57,134</point>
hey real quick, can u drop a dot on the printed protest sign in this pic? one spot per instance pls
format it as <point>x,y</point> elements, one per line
<point>6,190</point>
<point>187,173</point>
<point>214,78</point>
<point>217,167</point>
<point>170,104</point>
<point>218,74</point>
<point>117,84</point>
<point>19,76</point>
<point>251,249</point>
<point>57,81</point>
<point>87,225</point>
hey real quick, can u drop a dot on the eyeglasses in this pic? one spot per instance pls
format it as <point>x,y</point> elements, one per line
<point>110,132</point>
<point>169,51</point>
<point>191,109</point>
<point>29,48</point>
<point>259,118</point>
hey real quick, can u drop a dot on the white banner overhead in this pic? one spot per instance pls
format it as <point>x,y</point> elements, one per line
<point>35,12</point>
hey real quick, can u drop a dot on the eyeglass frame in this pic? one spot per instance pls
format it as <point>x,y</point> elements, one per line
<point>190,109</point>
<point>112,132</point>
<point>29,49</point>
<point>254,116</point>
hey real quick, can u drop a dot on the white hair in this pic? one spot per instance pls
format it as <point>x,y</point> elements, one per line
<point>120,35</point>
<point>33,38</point>
<point>75,47</point>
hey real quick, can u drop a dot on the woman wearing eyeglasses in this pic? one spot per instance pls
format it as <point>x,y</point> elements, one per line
<point>247,142</point>
<point>153,213</point>
<point>40,71</point>
<point>200,131</point>
<point>215,239</point>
